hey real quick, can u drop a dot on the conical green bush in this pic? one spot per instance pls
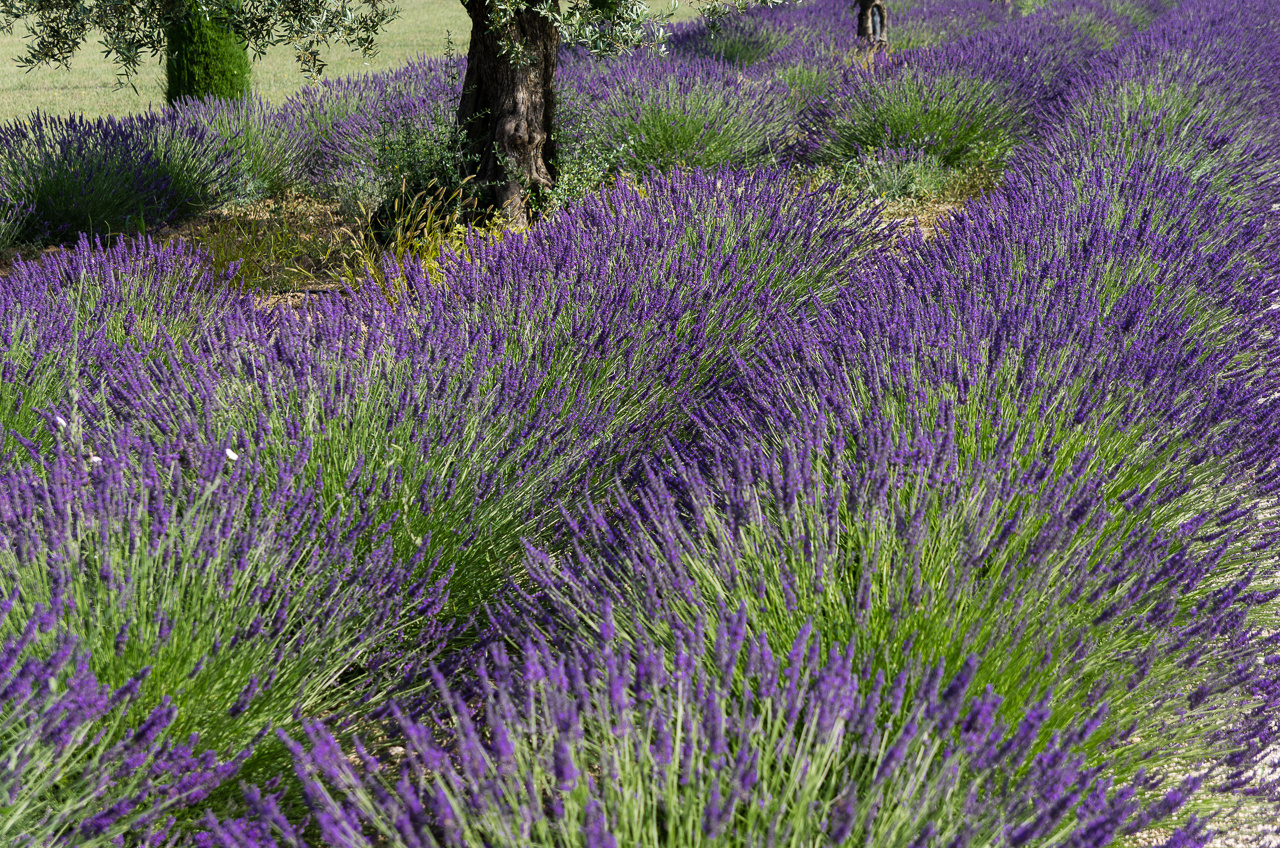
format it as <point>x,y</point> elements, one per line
<point>203,59</point>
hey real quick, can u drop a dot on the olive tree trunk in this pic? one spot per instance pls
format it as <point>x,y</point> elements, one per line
<point>873,22</point>
<point>508,107</point>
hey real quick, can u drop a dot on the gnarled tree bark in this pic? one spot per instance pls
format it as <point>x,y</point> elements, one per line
<point>873,22</point>
<point>508,108</point>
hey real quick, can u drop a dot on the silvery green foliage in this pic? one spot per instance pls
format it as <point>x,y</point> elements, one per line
<point>63,780</point>
<point>358,138</point>
<point>966,103</point>
<point>341,122</point>
<point>60,27</point>
<point>631,24</point>
<point>660,112</point>
<point>158,552</point>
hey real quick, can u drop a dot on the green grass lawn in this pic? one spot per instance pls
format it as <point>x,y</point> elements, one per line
<point>88,86</point>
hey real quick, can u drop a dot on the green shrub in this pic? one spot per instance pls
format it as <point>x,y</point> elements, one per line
<point>203,59</point>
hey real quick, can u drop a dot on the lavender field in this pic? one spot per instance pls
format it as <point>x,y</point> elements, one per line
<point>720,507</point>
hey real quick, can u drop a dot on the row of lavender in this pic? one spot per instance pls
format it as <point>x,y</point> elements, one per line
<point>992,498</point>
<point>714,99</point>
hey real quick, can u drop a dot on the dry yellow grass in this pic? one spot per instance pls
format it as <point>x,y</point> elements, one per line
<point>87,87</point>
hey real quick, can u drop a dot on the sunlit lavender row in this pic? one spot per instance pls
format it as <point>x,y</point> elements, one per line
<point>716,508</point>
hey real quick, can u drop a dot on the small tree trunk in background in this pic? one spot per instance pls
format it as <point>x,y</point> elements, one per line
<point>873,22</point>
<point>202,59</point>
<point>507,111</point>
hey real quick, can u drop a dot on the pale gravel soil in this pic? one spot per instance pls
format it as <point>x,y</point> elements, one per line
<point>1253,825</point>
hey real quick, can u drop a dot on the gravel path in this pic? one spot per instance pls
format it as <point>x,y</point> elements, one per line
<point>1253,825</point>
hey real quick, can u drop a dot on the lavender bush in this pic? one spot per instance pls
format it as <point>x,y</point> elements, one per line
<point>13,214</point>
<point>248,607</point>
<point>609,747</point>
<point>349,125</point>
<point>878,576</point>
<point>266,148</point>
<point>539,321</point>
<point>1177,94</point>
<point>192,559</point>
<point>917,25</point>
<point>661,113</point>
<point>70,777</point>
<point>960,107</point>
<point>60,318</point>
<point>71,175</point>
<point>742,41</point>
